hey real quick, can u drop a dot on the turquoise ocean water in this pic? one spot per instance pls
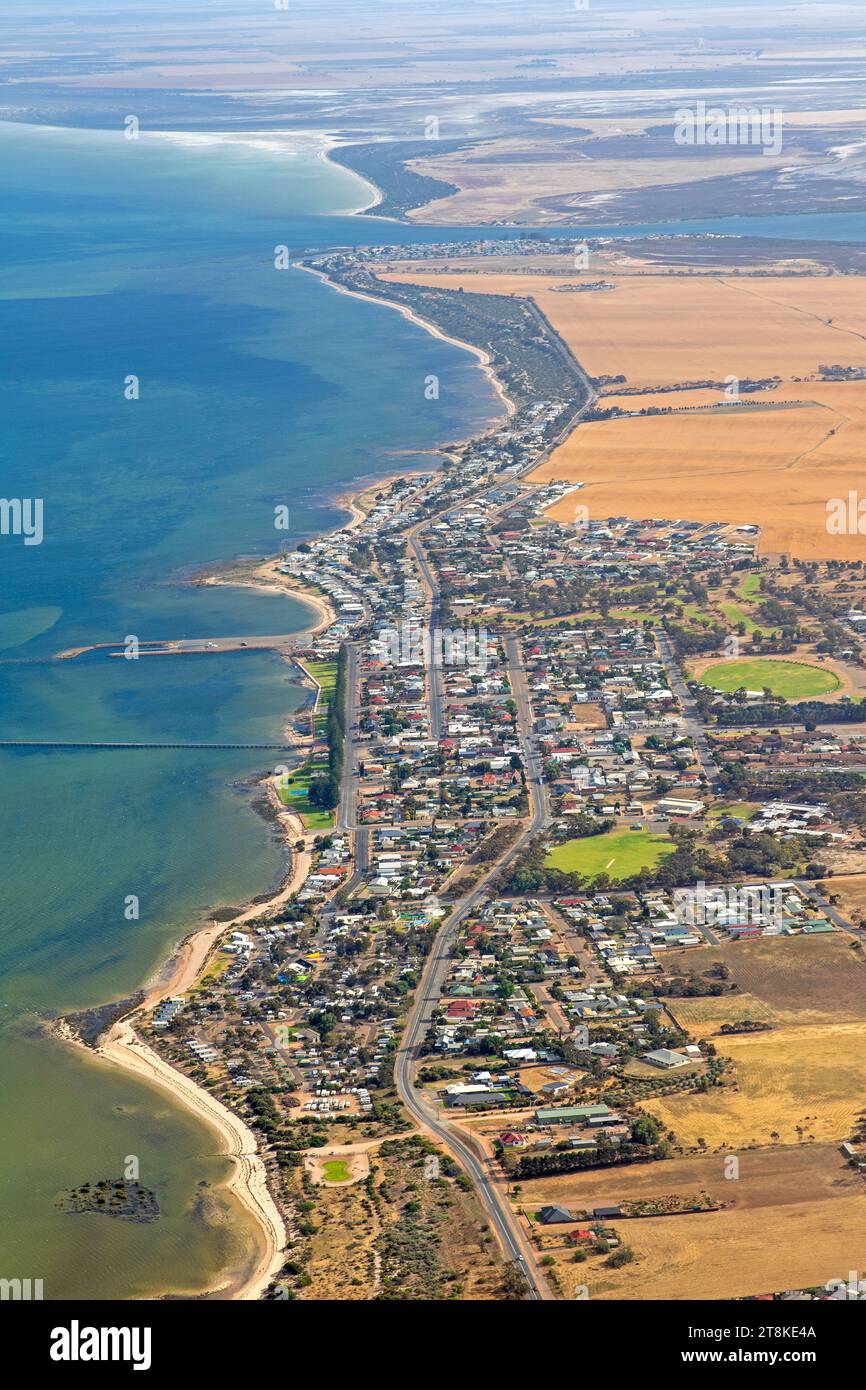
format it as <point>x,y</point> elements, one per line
<point>258,388</point>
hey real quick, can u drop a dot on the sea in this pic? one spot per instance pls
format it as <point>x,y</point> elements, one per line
<point>165,393</point>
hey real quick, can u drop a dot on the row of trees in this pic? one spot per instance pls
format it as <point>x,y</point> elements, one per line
<point>325,791</point>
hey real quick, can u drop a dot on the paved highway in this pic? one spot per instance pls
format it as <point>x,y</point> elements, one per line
<point>345,819</point>
<point>490,1186</point>
<point>694,723</point>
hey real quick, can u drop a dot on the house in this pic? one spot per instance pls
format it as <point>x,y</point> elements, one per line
<point>554,1216</point>
<point>666,1059</point>
<point>581,1237</point>
<point>570,1114</point>
<point>461,1010</point>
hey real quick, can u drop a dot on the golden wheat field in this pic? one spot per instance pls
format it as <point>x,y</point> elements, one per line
<point>781,469</point>
<point>790,1081</point>
<point>803,1077</point>
<point>852,891</point>
<point>663,330</point>
<point>794,1217</point>
<point>777,468</point>
<point>731,1254</point>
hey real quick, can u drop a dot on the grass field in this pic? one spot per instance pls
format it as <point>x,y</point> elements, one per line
<point>325,673</point>
<point>750,587</point>
<point>743,810</point>
<point>294,795</point>
<point>736,614</point>
<point>335,1170</point>
<point>794,680</point>
<point>618,854</point>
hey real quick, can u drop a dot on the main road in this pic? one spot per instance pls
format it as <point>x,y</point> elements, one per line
<point>490,1186</point>
<point>691,714</point>
<point>434,678</point>
<point>346,817</point>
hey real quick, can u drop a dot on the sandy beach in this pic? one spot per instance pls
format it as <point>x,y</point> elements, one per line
<point>482,356</point>
<point>267,578</point>
<point>123,1047</point>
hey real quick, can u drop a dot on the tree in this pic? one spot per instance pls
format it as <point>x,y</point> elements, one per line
<point>645,1129</point>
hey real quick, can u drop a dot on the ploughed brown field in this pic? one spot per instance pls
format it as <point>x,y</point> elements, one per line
<point>778,466</point>
<point>794,1218</point>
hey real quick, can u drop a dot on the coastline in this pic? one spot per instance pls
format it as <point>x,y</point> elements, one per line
<point>378,197</point>
<point>267,578</point>
<point>248,1182</point>
<point>484,358</point>
<point>121,1045</point>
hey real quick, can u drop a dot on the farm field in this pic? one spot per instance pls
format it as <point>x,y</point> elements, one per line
<point>806,1079</point>
<point>794,680</point>
<point>682,466</point>
<point>762,326</point>
<point>852,891</point>
<point>769,1177</point>
<point>618,854</point>
<point>795,1218</point>
<point>806,1073</point>
<point>819,978</point>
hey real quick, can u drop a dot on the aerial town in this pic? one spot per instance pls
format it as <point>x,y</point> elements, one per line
<point>579,933</point>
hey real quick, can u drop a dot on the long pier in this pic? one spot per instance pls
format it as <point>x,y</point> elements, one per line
<point>57,743</point>
<point>183,646</point>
